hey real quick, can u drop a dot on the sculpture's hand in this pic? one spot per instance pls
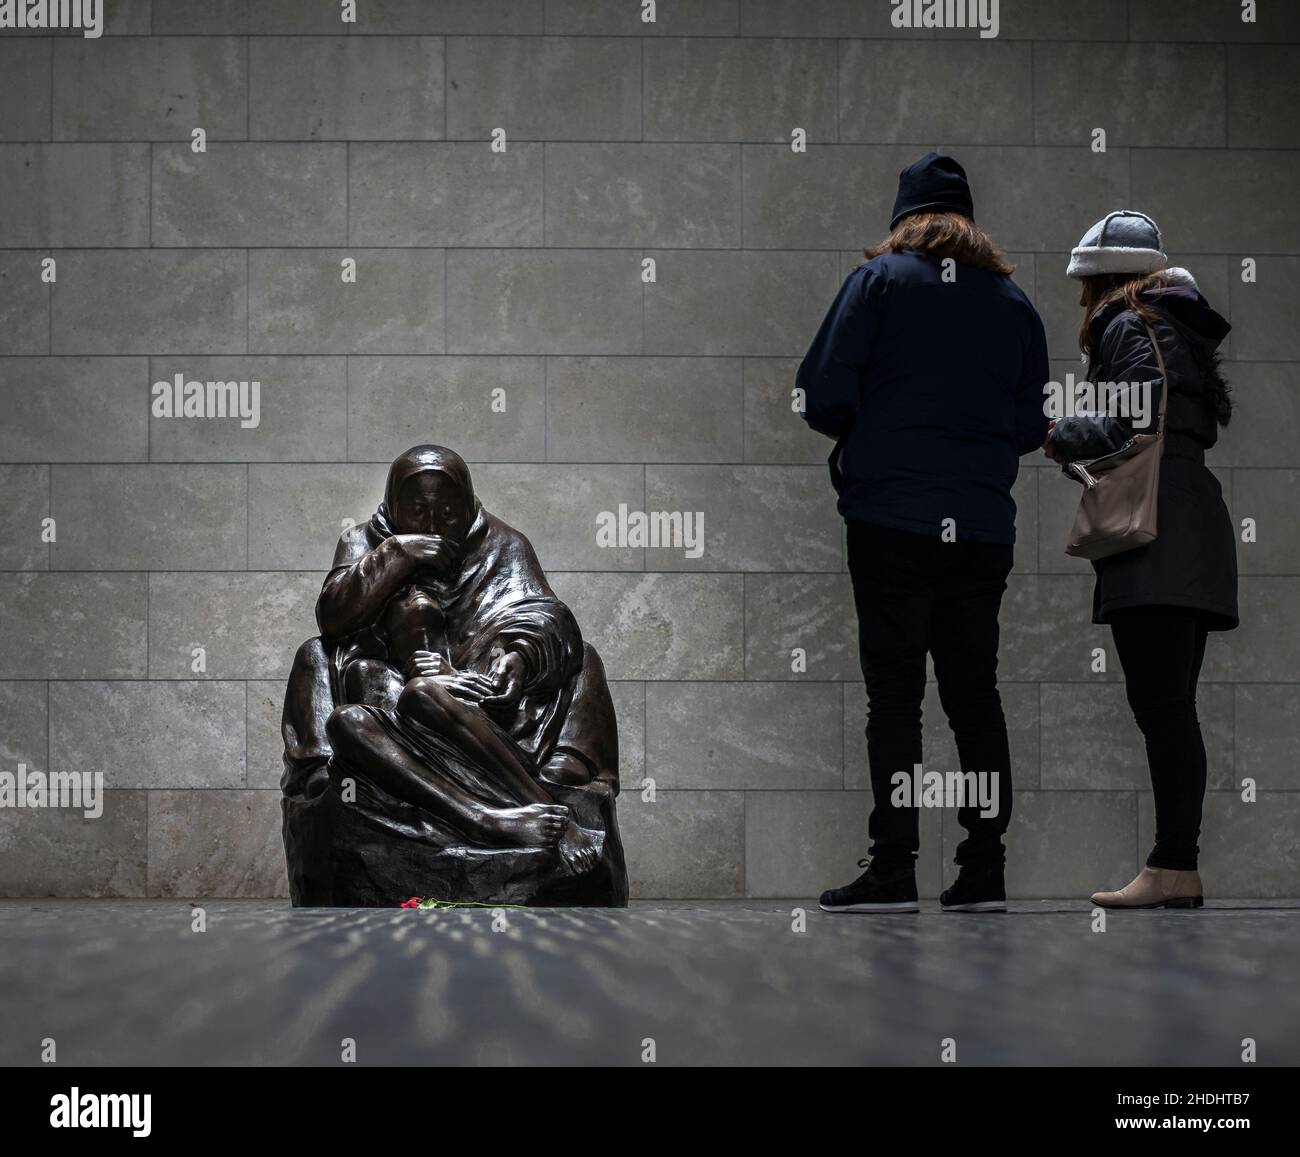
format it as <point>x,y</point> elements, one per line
<point>508,675</point>
<point>427,664</point>
<point>425,551</point>
<point>467,685</point>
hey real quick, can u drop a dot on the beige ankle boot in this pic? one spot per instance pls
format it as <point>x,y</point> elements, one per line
<point>1155,888</point>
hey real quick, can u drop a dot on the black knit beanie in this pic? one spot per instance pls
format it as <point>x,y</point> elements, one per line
<point>934,184</point>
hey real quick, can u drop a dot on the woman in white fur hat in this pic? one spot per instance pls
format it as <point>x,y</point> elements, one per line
<point>1163,599</point>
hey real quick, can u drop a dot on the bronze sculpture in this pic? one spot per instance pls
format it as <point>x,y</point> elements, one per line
<point>449,734</point>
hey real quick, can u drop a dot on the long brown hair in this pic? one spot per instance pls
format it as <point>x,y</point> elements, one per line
<point>945,235</point>
<point>1101,289</point>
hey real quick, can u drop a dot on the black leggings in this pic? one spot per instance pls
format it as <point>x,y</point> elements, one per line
<point>1160,649</point>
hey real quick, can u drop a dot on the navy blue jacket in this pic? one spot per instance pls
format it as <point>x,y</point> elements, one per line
<point>934,389</point>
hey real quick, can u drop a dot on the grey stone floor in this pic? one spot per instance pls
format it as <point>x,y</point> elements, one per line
<point>128,982</point>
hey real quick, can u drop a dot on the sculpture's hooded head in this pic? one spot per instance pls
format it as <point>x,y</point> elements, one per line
<point>428,492</point>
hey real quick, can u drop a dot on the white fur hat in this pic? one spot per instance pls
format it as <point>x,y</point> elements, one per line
<point>1121,242</point>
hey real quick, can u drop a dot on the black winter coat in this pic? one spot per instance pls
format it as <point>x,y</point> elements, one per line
<point>1193,560</point>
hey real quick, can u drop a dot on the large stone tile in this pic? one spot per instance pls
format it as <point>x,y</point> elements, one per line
<point>301,411</point>
<point>143,88</point>
<point>249,626</point>
<point>155,517</point>
<point>808,613</point>
<point>830,197</point>
<point>1054,20</point>
<point>686,844</point>
<point>215,844</point>
<point>1024,493</point>
<point>1091,741</point>
<point>671,195</point>
<point>745,735</point>
<point>608,409</point>
<point>150,302</point>
<point>727,303</point>
<point>660,626</point>
<point>614,18</point>
<point>489,408</point>
<point>1265,313</point>
<point>296,513</point>
<point>1268,497</point>
<point>914,91</point>
<point>265,742</point>
<point>558,507</point>
<point>300,304</point>
<point>24,305</point>
<point>1048,632</point>
<point>68,195</point>
<point>630,712</point>
<point>544,88</point>
<point>1263,91</point>
<point>25,89</point>
<point>452,17</point>
<point>72,626</point>
<point>336,88</point>
<point>449,193</point>
<point>1195,194</point>
<point>775,431</point>
<point>938,747</point>
<point>58,852</point>
<point>247,18</point>
<point>1212,21</point>
<point>26,505</point>
<point>1065,844</point>
<point>715,89</point>
<point>799,18</point>
<point>759,518</point>
<point>522,301</point>
<point>1268,736</point>
<point>1008,186</point>
<point>150,734</point>
<point>798,844</point>
<point>1247,850</point>
<point>250,194</point>
<point>1265,426</point>
<point>74,409</point>
<point>1161,95</point>
<point>1058,503</point>
<point>1264,647</point>
<point>24,725</point>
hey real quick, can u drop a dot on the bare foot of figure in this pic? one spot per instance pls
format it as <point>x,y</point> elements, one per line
<point>578,849</point>
<point>537,826</point>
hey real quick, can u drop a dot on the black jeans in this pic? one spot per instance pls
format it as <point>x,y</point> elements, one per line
<point>916,594</point>
<point>1161,649</point>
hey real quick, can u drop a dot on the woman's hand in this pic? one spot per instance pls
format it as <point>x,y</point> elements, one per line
<point>467,685</point>
<point>1049,450</point>
<point>508,674</point>
<point>424,551</point>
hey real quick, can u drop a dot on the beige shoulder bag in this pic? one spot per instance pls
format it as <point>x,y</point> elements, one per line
<point>1117,510</point>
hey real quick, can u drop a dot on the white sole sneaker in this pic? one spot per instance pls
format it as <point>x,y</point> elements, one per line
<point>980,906</point>
<point>899,906</point>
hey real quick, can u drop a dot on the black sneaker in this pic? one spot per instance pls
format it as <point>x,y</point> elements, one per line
<point>977,890</point>
<point>876,890</point>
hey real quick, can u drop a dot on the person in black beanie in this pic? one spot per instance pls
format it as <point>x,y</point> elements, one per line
<point>928,373</point>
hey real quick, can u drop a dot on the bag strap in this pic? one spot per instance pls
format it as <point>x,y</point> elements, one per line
<point>1164,380</point>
